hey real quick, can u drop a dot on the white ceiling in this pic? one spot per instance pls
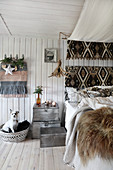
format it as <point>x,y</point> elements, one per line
<point>39,17</point>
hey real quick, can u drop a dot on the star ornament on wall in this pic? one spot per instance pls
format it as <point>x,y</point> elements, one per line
<point>8,70</point>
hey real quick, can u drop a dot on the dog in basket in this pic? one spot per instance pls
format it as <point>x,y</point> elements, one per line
<point>12,123</point>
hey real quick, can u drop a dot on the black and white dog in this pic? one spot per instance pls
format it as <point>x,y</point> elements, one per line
<point>12,123</point>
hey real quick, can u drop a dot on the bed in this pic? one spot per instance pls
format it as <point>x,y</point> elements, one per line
<point>84,151</point>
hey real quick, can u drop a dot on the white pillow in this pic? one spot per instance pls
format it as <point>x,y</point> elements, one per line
<point>72,94</point>
<point>75,96</point>
<point>70,90</point>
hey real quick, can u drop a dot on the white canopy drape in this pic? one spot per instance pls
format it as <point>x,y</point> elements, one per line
<point>95,23</point>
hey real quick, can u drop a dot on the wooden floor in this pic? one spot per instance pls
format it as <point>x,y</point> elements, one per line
<point>28,155</point>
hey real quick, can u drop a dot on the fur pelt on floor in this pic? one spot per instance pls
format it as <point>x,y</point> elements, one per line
<point>96,134</point>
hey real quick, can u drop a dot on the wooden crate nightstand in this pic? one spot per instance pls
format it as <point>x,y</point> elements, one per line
<point>52,137</point>
<point>44,117</point>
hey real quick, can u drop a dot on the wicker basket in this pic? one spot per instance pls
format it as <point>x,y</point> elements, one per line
<point>14,137</point>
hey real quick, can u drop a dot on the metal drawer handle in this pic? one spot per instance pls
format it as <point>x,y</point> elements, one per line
<point>46,124</point>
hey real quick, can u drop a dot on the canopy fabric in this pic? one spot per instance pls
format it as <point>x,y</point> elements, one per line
<point>95,23</point>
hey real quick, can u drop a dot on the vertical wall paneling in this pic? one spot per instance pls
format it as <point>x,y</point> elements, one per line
<point>49,71</point>
<point>44,69</point>
<point>33,54</point>
<point>55,80</point>
<point>63,66</point>
<point>1,114</point>
<point>16,50</point>
<point>38,63</point>
<point>61,79</point>
<point>29,74</point>
<point>10,104</point>
<point>66,62</point>
<point>5,100</point>
<point>28,60</point>
<point>21,101</point>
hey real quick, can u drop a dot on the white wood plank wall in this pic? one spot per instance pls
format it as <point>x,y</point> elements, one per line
<point>38,72</point>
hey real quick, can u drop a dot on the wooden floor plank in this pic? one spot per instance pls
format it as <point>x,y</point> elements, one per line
<point>62,151</point>
<point>58,154</point>
<point>1,141</point>
<point>25,156</point>
<point>15,157</point>
<point>9,156</point>
<point>41,161</point>
<point>34,157</point>
<point>56,159</point>
<point>4,151</point>
<point>48,159</point>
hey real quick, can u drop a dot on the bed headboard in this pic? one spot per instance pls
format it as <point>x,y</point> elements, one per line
<point>88,76</point>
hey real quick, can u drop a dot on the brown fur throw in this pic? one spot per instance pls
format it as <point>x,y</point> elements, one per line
<point>96,134</point>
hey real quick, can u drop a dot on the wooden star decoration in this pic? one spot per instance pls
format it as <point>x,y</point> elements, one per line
<point>8,70</point>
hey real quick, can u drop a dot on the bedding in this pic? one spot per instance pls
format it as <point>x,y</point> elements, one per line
<point>71,94</point>
<point>73,114</point>
<point>74,95</point>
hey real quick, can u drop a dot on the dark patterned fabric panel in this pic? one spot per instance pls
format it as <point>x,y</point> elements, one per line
<point>13,87</point>
<point>82,77</point>
<point>89,50</point>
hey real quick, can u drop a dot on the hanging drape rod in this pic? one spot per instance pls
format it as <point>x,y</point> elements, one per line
<point>65,34</point>
<point>59,71</point>
<point>5,24</point>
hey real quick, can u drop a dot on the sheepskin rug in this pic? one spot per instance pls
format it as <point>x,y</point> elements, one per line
<point>95,136</point>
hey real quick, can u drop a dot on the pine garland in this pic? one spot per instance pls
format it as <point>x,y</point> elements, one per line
<point>13,61</point>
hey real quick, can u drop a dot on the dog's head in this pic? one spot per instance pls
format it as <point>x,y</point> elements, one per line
<point>14,114</point>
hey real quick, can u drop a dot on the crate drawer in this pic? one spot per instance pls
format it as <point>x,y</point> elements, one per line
<point>52,137</point>
<point>45,114</point>
<point>50,124</point>
<point>37,125</point>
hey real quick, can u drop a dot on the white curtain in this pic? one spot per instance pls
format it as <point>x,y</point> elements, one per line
<point>95,22</point>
